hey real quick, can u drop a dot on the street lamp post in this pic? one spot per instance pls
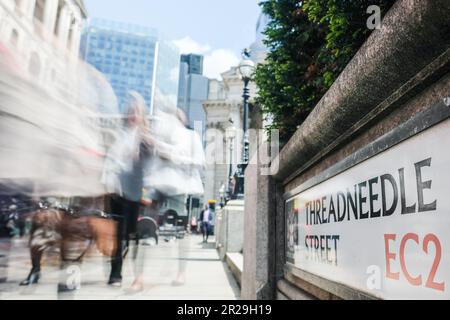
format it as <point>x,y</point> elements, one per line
<point>222,192</point>
<point>231,133</point>
<point>246,70</point>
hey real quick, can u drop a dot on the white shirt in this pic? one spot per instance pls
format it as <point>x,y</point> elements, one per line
<point>206,216</point>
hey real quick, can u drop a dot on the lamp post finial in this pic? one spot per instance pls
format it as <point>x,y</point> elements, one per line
<point>246,53</point>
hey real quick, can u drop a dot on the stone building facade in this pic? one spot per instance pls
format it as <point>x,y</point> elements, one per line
<point>224,136</point>
<point>44,34</point>
<point>224,121</point>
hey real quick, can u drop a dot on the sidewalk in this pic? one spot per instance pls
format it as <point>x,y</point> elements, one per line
<point>207,278</point>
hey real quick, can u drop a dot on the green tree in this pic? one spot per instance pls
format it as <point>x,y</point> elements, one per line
<point>310,42</point>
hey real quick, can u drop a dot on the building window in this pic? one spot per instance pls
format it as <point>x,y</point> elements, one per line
<point>14,39</point>
<point>34,68</point>
<point>19,5</point>
<point>39,11</point>
<point>71,34</point>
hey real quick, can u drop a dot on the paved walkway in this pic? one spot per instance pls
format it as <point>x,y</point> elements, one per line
<point>207,278</point>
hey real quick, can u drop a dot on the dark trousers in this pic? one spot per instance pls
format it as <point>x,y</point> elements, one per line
<point>206,226</point>
<point>126,214</point>
<point>5,248</point>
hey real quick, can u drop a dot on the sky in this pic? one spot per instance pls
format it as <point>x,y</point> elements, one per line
<point>218,29</point>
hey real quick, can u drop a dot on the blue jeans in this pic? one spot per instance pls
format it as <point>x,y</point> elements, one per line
<point>206,226</point>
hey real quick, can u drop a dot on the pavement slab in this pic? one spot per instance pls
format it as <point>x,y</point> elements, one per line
<point>207,277</point>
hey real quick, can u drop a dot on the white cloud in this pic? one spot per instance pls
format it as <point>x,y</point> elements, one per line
<point>216,61</point>
<point>187,45</point>
<point>219,61</point>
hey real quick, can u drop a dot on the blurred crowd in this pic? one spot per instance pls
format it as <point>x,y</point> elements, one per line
<point>73,172</point>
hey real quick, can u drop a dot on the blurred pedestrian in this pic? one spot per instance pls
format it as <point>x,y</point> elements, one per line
<point>194,225</point>
<point>125,171</point>
<point>176,168</point>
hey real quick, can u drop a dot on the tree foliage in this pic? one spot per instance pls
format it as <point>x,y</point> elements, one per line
<point>310,42</point>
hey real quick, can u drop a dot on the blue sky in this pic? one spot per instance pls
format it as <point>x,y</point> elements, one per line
<point>219,29</point>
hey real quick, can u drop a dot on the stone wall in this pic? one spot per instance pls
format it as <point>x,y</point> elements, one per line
<point>258,264</point>
<point>402,70</point>
<point>229,228</point>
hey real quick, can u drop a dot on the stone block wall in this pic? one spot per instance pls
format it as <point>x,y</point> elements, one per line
<point>398,75</point>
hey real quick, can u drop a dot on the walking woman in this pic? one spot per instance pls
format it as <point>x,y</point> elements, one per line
<point>126,167</point>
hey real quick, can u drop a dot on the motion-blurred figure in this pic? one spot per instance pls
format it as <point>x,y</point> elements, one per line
<point>73,232</point>
<point>184,161</point>
<point>125,171</point>
<point>52,145</point>
<point>51,138</point>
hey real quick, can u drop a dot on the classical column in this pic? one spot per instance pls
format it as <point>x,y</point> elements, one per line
<point>64,25</point>
<point>23,6</point>
<point>76,36</point>
<point>50,15</point>
<point>29,7</point>
<point>10,4</point>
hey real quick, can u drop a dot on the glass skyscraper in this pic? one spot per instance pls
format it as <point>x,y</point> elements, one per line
<point>193,89</point>
<point>132,58</point>
<point>194,62</point>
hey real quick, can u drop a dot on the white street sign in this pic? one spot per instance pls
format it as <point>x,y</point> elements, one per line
<point>382,226</point>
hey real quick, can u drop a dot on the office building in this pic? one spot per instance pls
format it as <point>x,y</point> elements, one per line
<point>133,58</point>
<point>193,90</point>
<point>194,62</point>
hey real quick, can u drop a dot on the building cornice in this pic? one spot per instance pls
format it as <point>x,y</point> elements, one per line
<point>82,7</point>
<point>221,103</point>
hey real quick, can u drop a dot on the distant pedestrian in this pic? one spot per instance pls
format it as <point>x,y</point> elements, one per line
<point>206,218</point>
<point>194,225</point>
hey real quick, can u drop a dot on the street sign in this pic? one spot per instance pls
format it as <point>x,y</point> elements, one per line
<point>382,226</point>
